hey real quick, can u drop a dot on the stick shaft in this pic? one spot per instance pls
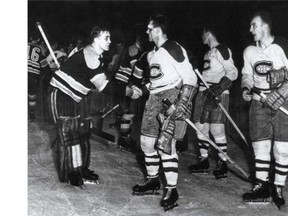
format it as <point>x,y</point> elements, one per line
<point>48,44</point>
<point>218,149</point>
<point>224,110</point>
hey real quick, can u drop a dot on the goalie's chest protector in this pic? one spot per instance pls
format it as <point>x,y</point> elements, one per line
<point>163,66</point>
<point>74,77</point>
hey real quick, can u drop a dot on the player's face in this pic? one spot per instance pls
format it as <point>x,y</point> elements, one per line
<point>151,31</point>
<point>104,40</point>
<point>257,28</point>
<point>205,37</point>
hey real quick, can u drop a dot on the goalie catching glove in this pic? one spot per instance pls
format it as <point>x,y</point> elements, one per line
<point>183,103</point>
<point>276,98</point>
<point>216,89</point>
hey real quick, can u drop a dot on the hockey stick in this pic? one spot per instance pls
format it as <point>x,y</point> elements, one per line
<point>261,94</point>
<point>224,110</point>
<point>47,44</point>
<point>225,155</point>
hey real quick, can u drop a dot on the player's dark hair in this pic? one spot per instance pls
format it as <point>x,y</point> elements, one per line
<point>160,20</point>
<point>97,30</point>
<point>213,30</point>
<point>265,17</point>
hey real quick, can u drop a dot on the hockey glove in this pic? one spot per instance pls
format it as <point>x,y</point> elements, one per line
<point>246,94</point>
<point>183,104</point>
<point>276,98</point>
<point>216,89</point>
<point>209,105</point>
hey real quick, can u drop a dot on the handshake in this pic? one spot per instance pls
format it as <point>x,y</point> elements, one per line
<point>133,91</point>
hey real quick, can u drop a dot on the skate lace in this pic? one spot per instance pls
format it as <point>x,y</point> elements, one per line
<point>168,194</point>
<point>148,180</point>
<point>256,187</point>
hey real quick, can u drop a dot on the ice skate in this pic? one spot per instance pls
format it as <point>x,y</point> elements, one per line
<point>169,199</point>
<point>126,143</point>
<point>149,187</point>
<point>277,196</point>
<point>258,195</point>
<point>89,177</point>
<point>75,179</point>
<point>201,167</point>
<point>221,170</point>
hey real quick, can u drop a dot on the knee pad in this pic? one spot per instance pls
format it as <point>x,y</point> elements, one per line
<point>204,129</point>
<point>218,132</point>
<point>148,144</point>
<point>262,149</point>
<point>280,150</point>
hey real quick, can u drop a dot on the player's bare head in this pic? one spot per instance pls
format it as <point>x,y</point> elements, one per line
<point>265,18</point>
<point>97,31</point>
<point>159,20</point>
<point>100,38</point>
<point>208,33</point>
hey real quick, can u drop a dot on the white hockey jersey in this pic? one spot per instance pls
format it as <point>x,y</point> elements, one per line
<point>258,61</point>
<point>218,62</point>
<point>169,66</point>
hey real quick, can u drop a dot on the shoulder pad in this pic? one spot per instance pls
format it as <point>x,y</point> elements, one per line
<point>133,50</point>
<point>91,58</point>
<point>174,49</point>
<point>283,43</point>
<point>223,51</point>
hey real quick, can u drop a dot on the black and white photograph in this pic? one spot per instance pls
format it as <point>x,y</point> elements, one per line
<point>155,108</point>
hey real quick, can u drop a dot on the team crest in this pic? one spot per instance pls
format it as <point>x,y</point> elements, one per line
<point>262,67</point>
<point>155,71</point>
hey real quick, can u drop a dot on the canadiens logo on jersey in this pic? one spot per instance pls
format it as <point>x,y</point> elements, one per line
<point>155,71</point>
<point>206,65</point>
<point>262,67</point>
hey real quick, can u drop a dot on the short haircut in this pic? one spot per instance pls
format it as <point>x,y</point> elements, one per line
<point>97,30</point>
<point>212,29</point>
<point>265,17</point>
<point>161,21</point>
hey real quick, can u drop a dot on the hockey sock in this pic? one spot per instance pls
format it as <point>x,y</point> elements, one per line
<point>218,132</point>
<point>262,158</point>
<point>170,167</point>
<point>152,162</point>
<point>281,162</point>
<point>125,124</point>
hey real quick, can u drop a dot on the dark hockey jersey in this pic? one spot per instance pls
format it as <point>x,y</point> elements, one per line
<point>36,60</point>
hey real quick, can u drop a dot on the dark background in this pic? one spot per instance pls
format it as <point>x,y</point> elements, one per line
<point>63,20</point>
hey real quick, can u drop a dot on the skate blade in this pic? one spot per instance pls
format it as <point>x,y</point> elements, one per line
<point>123,148</point>
<point>220,176</point>
<point>262,201</point>
<point>92,182</point>
<point>145,193</point>
<point>169,207</point>
<point>198,172</point>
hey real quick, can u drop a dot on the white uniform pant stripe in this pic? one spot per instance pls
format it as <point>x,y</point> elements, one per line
<point>76,156</point>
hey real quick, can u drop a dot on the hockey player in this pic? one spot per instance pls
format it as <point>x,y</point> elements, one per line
<point>36,64</point>
<point>265,68</point>
<point>60,55</point>
<point>81,73</point>
<point>130,74</point>
<point>219,71</point>
<point>171,77</point>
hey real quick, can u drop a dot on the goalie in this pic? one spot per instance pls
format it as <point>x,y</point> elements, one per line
<point>80,74</point>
